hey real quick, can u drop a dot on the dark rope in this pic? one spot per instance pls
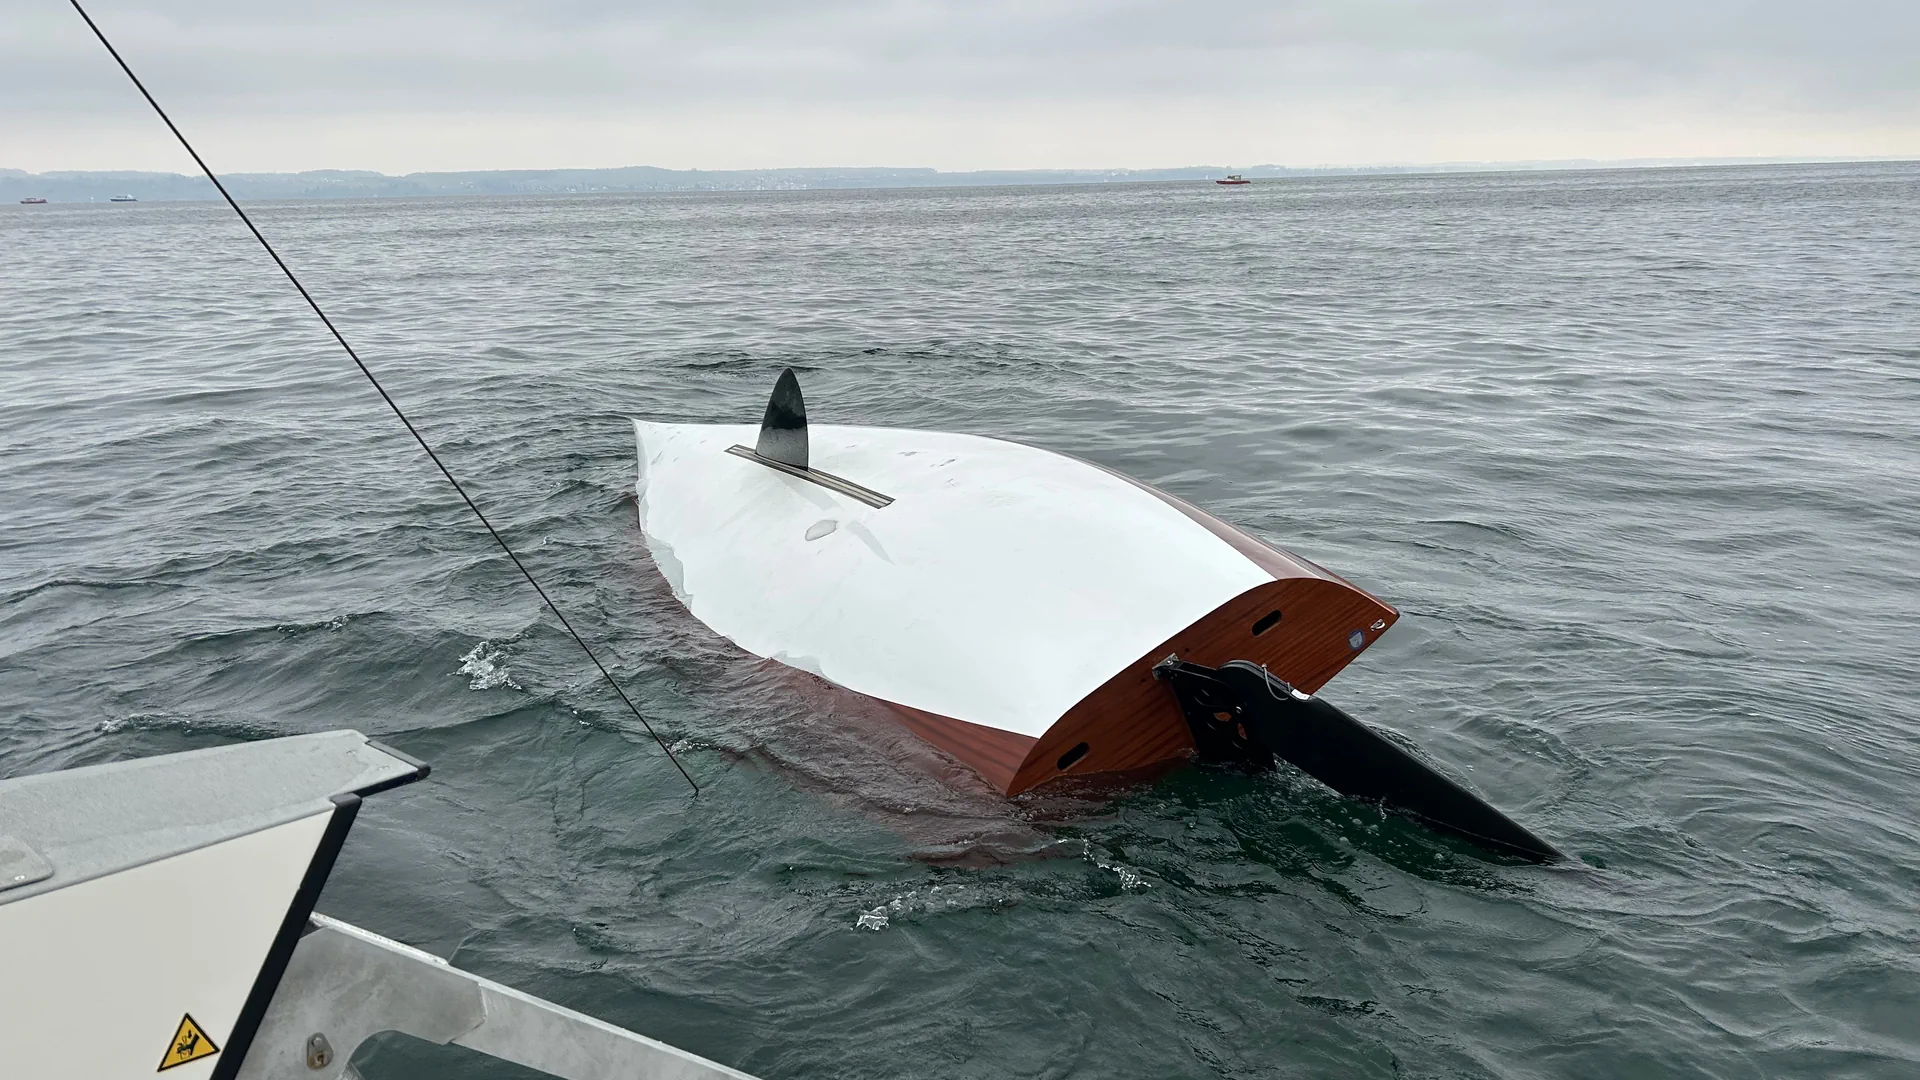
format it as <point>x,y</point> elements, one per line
<point>384,396</point>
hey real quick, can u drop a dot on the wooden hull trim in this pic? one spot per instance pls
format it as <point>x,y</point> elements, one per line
<point>1132,721</point>
<point>996,755</point>
<point>1132,724</point>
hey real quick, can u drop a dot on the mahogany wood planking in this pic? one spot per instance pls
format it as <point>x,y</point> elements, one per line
<point>1132,721</point>
<point>994,754</point>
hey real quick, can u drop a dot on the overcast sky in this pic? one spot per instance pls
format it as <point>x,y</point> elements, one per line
<point>406,85</point>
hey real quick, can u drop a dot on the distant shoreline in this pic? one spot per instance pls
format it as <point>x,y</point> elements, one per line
<point>100,186</point>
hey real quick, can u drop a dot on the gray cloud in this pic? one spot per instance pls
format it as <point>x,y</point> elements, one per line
<point>837,63</point>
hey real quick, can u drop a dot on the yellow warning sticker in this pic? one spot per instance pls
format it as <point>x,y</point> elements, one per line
<point>189,1044</point>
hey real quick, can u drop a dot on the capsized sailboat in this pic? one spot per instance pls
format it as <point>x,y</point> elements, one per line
<point>1032,614</point>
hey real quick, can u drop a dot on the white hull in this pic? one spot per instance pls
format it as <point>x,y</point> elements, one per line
<point>1001,586</point>
<point>1007,602</point>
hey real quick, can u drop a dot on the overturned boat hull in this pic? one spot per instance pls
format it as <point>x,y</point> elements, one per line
<point>1008,603</point>
<point>1036,616</point>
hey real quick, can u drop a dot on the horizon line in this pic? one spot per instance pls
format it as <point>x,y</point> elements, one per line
<point>1468,163</point>
<point>94,185</point>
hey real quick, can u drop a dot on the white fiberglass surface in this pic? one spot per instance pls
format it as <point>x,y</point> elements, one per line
<point>95,978</point>
<point>1002,585</point>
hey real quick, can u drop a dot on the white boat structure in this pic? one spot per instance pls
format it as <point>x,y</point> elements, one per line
<point>156,916</point>
<point>1034,615</point>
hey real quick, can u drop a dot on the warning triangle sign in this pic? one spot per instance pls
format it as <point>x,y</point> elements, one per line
<point>189,1044</point>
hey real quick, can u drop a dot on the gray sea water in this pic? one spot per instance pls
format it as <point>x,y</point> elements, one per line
<point>1637,453</point>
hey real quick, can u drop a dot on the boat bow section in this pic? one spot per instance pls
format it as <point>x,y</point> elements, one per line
<point>157,916</point>
<point>173,892</point>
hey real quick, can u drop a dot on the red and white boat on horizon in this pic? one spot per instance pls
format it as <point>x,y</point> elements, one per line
<point>1234,180</point>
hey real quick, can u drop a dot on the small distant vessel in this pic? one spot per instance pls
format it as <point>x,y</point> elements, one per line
<point>1234,179</point>
<point>32,202</point>
<point>123,198</point>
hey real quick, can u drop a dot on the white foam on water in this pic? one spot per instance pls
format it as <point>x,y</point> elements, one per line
<point>1131,880</point>
<point>485,664</point>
